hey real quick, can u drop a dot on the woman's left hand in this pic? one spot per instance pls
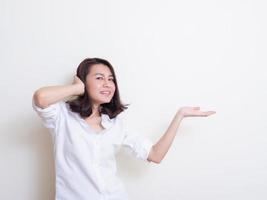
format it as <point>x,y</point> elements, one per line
<point>193,112</point>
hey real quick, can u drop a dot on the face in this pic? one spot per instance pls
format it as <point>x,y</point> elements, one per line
<point>100,85</point>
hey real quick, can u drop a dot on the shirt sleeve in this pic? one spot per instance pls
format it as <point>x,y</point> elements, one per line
<point>139,145</point>
<point>49,115</point>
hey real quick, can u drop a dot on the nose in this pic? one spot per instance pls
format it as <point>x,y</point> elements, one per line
<point>106,83</point>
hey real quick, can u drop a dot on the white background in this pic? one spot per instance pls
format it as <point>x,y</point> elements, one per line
<point>166,54</point>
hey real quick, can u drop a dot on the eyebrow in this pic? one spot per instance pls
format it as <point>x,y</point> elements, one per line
<point>102,74</point>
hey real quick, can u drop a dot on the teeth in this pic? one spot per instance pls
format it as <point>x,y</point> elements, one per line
<point>105,92</point>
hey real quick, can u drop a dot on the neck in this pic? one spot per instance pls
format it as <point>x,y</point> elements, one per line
<point>95,110</point>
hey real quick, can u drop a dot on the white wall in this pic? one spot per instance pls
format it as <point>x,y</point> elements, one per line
<point>167,54</point>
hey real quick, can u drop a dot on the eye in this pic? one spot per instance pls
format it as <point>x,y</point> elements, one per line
<point>111,79</point>
<point>99,78</point>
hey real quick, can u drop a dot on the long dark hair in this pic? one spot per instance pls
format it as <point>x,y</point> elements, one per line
<point>83,105</point>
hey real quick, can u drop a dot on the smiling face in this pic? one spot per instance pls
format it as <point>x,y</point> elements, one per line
<point>100,85</point>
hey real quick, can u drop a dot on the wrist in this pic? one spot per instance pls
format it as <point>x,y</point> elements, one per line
<point>77,89</point>
<point>179,115</point>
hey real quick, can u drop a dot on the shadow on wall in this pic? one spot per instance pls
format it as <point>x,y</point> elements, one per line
<point>129,167</point>
<point>32,156</point>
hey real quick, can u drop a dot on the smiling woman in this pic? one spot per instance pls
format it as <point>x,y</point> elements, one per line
<point>89,130</point>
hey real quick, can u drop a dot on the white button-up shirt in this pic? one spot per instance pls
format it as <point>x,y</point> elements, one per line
<point>85,161</point>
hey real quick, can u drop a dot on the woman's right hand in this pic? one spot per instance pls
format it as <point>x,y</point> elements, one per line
<point>193,112</point>
<point>79,85</point>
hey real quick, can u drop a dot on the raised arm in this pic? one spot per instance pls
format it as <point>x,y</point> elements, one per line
<point>45,96</point>
<point>160,149</point>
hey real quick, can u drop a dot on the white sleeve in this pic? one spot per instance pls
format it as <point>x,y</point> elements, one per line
<point>138,144</point>
<point>49,115</point>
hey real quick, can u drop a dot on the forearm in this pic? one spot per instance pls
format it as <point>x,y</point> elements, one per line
<point>46,96</point>
<point>160,149</point>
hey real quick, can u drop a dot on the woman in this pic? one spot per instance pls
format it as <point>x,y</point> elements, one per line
<point>88,131</point>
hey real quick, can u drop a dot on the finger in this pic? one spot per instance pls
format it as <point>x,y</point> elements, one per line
<point>211,112</point>
<point>208,113</point>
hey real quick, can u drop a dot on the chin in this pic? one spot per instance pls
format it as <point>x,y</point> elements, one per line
<point>105,101</point>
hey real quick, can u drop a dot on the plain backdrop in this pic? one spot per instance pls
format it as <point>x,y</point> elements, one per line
<point>166,54</point>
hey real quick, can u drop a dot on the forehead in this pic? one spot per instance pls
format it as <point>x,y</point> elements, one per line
<point>100,68</point>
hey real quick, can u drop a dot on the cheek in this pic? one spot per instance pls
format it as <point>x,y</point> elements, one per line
<point>113,88</point>
<point>92,88</point>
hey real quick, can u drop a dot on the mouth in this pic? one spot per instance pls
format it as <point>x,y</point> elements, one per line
<point>105,93</point>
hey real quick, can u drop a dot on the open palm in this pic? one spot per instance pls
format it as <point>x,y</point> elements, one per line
<point>194,112</point>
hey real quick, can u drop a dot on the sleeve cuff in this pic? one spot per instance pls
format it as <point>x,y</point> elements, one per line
<point>147,146</point>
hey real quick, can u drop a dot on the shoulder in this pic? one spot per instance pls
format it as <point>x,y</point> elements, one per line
<point>124,120</point>
<point>122,117</point>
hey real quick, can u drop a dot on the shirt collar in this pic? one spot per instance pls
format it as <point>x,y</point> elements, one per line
<point>106,121</point>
